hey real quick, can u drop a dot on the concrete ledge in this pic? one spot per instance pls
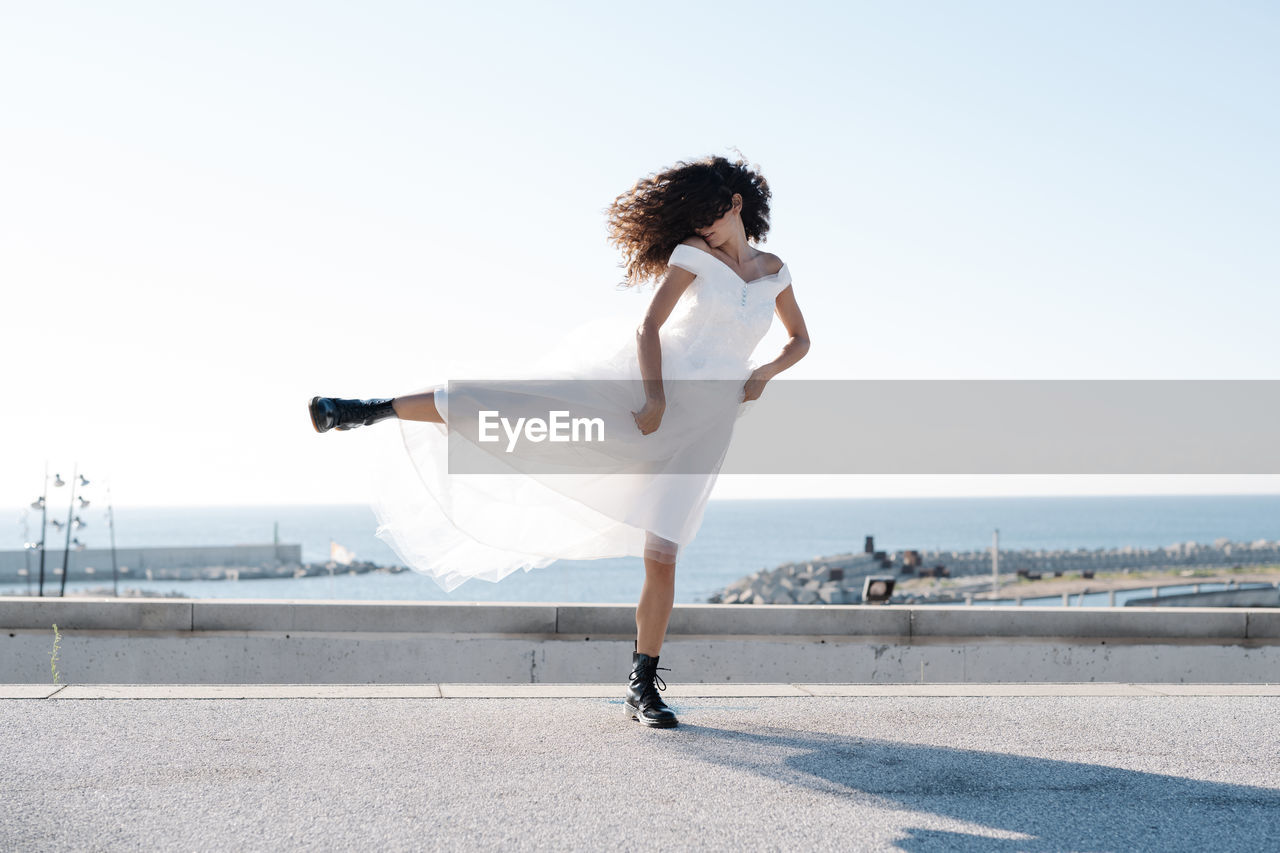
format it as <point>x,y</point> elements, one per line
<point>420,617</point>
<point>618,620</point>
<point>109,641</point>
<point>241,657</point>
<point>1097,622</point>
<point>1263,624</point>
<point>610,691</point>
<point>742,619</point>
<point>103,614</point>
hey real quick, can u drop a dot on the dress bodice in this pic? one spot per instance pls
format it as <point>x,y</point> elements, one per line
<point>719,319</point>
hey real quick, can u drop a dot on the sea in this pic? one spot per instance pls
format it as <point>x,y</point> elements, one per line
<point>737,537</point>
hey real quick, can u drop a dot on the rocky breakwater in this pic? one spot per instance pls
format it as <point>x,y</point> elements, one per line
<point>839,579</point>
<point>826,580</point>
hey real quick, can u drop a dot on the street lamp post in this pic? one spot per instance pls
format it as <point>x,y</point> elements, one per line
<point>27,546</point>
<point>111,523</point>
<point>74,522</point>
<point>995,563</point>
<point>71,523</point>
<point>43,505</point>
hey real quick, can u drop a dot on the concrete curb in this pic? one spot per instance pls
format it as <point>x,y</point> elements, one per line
<point>612,691</point>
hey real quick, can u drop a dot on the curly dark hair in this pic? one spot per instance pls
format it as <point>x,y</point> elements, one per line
<point>662,210</point>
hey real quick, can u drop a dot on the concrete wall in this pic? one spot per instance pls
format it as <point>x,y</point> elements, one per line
<point>235,641</point>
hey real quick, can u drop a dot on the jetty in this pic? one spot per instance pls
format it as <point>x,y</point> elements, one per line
<point>839,578</point>
<point>185,563</point>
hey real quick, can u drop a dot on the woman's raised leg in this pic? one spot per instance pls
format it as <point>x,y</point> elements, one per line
<point>421,407</point>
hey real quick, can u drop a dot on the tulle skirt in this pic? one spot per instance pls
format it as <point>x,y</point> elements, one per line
<point>647,501</point>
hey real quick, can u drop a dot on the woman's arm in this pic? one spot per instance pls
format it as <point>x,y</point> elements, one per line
<point>794,350</point>
<point>649,346</point>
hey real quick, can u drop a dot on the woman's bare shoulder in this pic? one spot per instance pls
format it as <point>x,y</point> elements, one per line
<point>773,263</point>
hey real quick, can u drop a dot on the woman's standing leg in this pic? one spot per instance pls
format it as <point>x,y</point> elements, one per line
<point>652,614</point>
<point>654,610</point>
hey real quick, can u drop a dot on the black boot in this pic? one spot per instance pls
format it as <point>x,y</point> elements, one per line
<point>643,702</point>
<point>333,413</point>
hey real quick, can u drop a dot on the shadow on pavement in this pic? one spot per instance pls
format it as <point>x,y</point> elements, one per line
<point>1053,805</point>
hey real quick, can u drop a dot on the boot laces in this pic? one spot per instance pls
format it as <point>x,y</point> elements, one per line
<point>353,413</point>
<point>653,681</point>
<point>349,412</point>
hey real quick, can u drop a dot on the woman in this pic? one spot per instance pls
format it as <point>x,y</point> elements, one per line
<point>690,228</point>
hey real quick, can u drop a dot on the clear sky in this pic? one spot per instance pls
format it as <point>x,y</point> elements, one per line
<point>210,212</point>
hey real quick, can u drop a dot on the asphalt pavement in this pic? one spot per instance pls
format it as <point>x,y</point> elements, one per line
<point>372,767</point>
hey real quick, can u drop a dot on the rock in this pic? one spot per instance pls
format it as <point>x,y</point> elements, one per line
<point>807,596</point>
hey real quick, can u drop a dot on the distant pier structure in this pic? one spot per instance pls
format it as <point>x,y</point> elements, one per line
<point>838,578</point>
<point>168,563</point>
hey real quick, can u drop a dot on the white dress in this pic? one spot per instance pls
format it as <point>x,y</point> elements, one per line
<point>454,527</point>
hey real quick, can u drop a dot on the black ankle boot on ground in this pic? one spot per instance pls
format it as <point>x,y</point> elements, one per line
<point>643,702</point>
<point>334,413</point>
